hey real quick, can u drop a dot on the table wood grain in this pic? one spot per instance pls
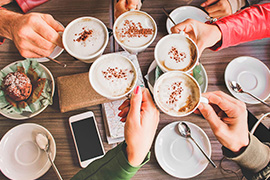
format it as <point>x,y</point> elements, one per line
<point>57,123</point>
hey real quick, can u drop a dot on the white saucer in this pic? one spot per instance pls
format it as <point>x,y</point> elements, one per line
<point>179,156</point>
<point>252,75</point>
<point>203,86</point>
<point>20,157</point>
<point>185,12</point>
<point>16,116</point>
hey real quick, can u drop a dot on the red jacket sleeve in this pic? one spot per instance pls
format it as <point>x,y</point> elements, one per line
<point>249,24</point>
<point>27,5</point>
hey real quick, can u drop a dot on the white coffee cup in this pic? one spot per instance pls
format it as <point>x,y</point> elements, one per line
<point>85,38</point>
<point>176,52</point>
<point>113,76</point>
<point>177,93</point>
<point>134,31</point>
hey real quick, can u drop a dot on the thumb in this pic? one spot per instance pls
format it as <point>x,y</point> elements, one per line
<point>210,115</point>
<point>135,104</point>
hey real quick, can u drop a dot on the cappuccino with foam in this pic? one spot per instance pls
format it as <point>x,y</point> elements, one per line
<point>113,76</point>
<point>177,93</point>
<point>135,31</point>
<point>176,52</point>
<point>85,38</point>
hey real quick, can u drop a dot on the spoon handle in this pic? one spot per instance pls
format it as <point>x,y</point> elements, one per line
<point>255,97</point>
<point>210,160</point>
<point>54,167</point>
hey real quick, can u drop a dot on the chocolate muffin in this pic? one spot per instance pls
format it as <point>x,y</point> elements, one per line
<point>17,86</point>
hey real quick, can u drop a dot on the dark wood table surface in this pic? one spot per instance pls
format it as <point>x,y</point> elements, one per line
<point>57,123</point>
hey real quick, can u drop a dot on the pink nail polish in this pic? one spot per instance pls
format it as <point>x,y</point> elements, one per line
<point>136,90</point>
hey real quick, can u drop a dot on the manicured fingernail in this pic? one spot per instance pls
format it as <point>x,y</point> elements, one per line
<point>136,90</point>
<point>119,114</point>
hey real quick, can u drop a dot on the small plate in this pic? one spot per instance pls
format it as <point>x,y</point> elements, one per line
<point>252,75</point>
<point>179,156</point>
<point>185,12</point>
<point>151,75</point>
<point>56,52</point>
<point>21,158</point>
<point>15,116</point>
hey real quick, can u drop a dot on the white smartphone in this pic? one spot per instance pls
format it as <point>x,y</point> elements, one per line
<point>86,138</point>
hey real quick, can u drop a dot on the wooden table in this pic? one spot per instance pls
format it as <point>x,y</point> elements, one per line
<point>57,123</point>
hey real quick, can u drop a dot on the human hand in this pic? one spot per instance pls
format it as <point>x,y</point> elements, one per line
<point>227,118</point>
<point>141,117</point>
<point>217,8</point>
<point>125,5</point>
<point>204,35</point>
<point>35,34</point>
<point>5,2</point>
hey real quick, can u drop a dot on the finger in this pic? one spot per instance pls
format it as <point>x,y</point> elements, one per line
<point>208,2</point>
<point>132,4</point>
<point>223,102</point>
<point>135,104</point>
<point>32,51</point>
<point>197,111</point>
<point>217,14</point>
<point>120,8</point>
<point>210,115</point>
<point>147,100</point>
<point>124,104</point>
<point>39,41</point>
<point>123,120</point>
<point>47,32</point>
<point>124,112</point>
<point>56,26</point>
<point>213,8</point>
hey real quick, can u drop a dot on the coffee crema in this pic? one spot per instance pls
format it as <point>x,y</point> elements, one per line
<point>135,29</point>
<point>176,93</point>
<point>176,52</point>
<point>86,37</point>
<point>114,75</point>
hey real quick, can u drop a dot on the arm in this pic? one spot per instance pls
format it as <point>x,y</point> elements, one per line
<point>248,25</point>
<point>114,165</point>
<point>228,120</point>
<point>34,34</point>
<point>141,117</point>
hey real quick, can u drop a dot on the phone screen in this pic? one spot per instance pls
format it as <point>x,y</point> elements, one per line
<point>87,138</point>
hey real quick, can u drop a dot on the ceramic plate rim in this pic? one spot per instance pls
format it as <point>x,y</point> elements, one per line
<point>247,58</point>
<point>154,64</point>
<point>168,21</point>
<point>34,125</point>
<point>42,109</point>
<point>207,141</point>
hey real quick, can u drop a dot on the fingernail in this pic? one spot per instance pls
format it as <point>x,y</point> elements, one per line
<point>119,114</point>
<point>136,90</point>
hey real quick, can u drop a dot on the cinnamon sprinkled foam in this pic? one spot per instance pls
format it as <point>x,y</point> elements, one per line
<point>135,29</point>
<point>114,75</point>
<point>86,37</point>
<point>176,93</point>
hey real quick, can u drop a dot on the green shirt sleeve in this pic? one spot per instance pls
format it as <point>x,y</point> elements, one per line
<point>114,165</point>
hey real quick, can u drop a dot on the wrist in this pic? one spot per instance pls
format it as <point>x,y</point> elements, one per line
<point>133,157</point>
<point>7,23</point>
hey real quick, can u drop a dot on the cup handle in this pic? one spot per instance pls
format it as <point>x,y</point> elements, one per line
<point>204,100</point>
<point>110,31</point>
